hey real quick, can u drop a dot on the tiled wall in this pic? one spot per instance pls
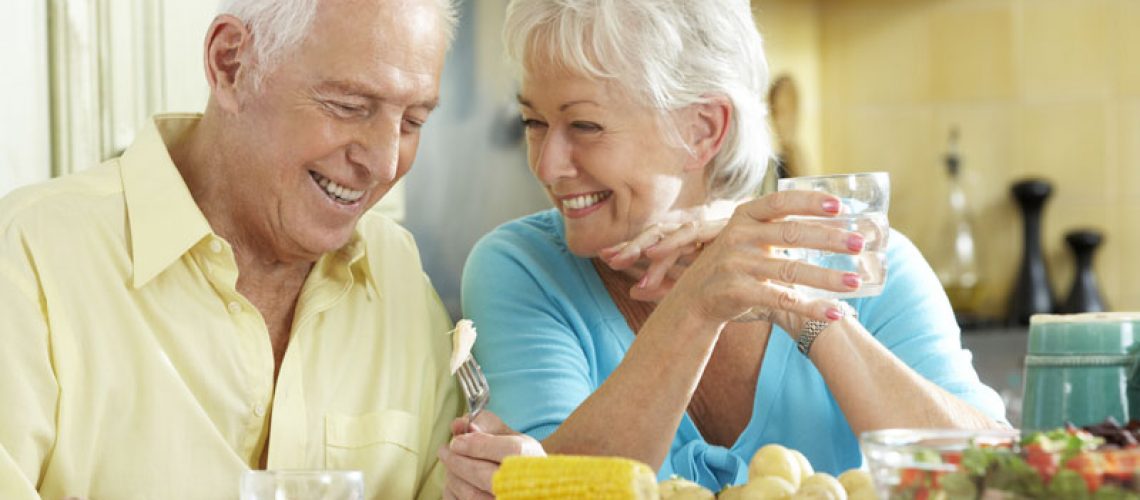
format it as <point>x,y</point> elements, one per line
<point>1046,88</point>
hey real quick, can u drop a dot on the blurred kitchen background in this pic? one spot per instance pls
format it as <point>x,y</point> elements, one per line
<point>1013,89</point>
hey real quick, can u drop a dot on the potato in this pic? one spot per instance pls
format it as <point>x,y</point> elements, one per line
<point>778,461</point>
<point>731,493</point>
<point>761,488</point>
<point>821,486</point>
<point>682,489</point>
<point>805,466</point>
<point>855,479</point>
<point>769,488</point>
<point>863,493</point>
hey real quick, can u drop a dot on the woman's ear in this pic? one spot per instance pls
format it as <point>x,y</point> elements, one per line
<point>228,42</point>
<point>708,124</point>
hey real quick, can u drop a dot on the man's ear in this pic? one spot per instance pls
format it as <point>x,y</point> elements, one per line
<point>228,44</point>
<point>708,125</point>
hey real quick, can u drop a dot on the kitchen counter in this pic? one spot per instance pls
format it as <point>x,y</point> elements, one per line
<point>999,358</point>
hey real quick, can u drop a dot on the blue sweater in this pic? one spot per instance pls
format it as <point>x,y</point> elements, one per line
<point>549,335</point>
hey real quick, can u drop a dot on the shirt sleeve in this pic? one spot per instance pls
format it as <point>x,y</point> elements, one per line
<point>447,404</point>
<point>28,389</point>
<point>529,340</point>
<point>913,318</point>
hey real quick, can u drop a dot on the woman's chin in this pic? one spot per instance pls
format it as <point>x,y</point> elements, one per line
<point>584,249</point>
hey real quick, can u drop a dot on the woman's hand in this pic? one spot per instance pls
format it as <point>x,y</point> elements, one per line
<point>659,255</point>
<point>473,457</point>
<point>742,274</point>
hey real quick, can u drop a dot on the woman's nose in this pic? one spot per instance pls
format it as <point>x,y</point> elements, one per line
<point>554,159</point>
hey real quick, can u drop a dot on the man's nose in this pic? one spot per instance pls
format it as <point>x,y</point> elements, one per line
<point>553,161</point>
<point>377,149</point>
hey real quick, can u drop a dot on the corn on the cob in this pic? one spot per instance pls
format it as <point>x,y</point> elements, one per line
<point>560,477</point>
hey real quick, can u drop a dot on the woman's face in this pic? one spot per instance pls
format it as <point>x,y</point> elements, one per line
<point>603,159</point>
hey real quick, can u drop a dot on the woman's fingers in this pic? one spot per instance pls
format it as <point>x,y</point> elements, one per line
<point>495,448</point>
<point>468,473</point>
<point>628,253</point>
<point>770,297</point>
<point>487,422</point>
<point>798,272</point>
<point>686,239</point>
<point>658,269</point>
<point>785,203</point>
<point>825,234</point>
<point>459,489</point>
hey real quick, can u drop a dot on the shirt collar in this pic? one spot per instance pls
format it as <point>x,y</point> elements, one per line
<point>165,221</point>
<point>355,254</point>
<point>163,218</point>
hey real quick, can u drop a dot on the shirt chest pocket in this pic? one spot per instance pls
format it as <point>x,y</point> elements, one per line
<point>383,445</point>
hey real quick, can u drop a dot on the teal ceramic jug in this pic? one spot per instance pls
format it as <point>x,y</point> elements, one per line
<point>1078,369</point>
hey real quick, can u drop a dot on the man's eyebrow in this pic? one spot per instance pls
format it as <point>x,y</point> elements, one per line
<point>349,87</point>
<point>368,92</point>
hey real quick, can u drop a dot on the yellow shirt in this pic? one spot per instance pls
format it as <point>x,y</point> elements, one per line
<point>130,367</point>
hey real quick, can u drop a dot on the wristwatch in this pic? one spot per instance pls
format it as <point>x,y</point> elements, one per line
<point>812,328</point>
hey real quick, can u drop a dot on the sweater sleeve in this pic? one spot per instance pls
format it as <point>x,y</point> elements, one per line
<point>530,339</point>
<point>913,318</point>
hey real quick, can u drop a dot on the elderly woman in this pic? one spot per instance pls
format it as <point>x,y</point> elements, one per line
<point>615,324</point>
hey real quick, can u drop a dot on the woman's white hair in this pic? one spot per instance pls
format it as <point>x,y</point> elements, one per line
<point>668,53</point>
<point>278,26</point>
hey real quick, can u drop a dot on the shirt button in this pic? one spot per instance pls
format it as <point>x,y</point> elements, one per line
<point>259,410</point>
<point>234,307</point>
<point>216,246</point>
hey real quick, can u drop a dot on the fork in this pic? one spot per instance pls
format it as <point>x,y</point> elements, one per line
<point>475,388</point>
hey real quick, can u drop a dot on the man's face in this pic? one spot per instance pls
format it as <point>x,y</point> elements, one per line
<point>335,124</point>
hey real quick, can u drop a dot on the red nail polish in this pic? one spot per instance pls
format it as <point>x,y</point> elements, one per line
<point>834,314</point>
<point>852,280</point>
<point>831,206</point>
<point>855,242</point>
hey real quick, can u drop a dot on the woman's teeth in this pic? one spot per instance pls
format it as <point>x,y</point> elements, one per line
<point>584,201</point>
<point>336,191</point>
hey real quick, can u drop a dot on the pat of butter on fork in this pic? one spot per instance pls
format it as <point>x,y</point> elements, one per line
<point>462,340</point>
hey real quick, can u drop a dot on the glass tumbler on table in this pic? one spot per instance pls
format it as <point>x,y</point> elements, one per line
<point>864,198</point>
<point>302,485</point>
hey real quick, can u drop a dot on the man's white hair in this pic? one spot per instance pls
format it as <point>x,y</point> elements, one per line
<point>667,53</point>
<point>278,26</point>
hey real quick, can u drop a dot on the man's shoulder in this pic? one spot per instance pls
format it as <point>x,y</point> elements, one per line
<point>67,201</point>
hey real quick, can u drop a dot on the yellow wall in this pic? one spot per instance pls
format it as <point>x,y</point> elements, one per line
<point>791,42</point>
<point>1047,88</point>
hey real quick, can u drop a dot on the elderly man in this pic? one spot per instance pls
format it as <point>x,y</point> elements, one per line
<point>219,298</point>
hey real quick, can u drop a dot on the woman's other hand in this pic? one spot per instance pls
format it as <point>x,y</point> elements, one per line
<point>742,273</point>
<point>473,457</point>
<point>659,255</point>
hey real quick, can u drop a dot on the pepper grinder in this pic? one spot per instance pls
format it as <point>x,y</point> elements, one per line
<point>1033,294</point>
<point>1085,294</point>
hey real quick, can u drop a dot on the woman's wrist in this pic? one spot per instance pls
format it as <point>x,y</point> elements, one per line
<point>810,330</point>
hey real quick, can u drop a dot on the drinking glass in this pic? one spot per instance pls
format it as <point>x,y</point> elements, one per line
<point>865,198</point>
<point>302,485</point>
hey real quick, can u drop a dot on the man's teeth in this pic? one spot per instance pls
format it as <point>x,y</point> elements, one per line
<point>584,201</point>
<point>337,191</point>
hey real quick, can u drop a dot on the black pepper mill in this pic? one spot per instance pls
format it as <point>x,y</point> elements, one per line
<point>1032,294</point>
<point>1085,294</point>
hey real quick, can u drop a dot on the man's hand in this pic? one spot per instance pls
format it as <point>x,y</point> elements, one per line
<point>473,457</point>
